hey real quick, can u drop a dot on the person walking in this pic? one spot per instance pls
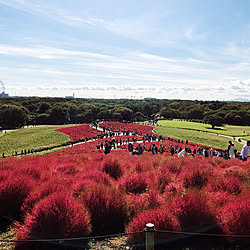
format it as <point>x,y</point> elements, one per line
<point>172,151</point>
<point>154,149</point>
<point>107,148</point>
<point>245,150</point>
<point>231,150</point>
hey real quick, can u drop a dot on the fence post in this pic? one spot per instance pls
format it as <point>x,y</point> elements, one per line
<point>150,230</point>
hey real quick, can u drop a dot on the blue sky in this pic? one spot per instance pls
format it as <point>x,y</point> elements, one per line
<point>183,49</point>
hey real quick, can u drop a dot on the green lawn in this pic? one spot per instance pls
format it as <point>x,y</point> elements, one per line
<point>244,130</point>
<point>203,138</point>
<point>247,138</point>
<point>225,130</point>
<point>28,138</point>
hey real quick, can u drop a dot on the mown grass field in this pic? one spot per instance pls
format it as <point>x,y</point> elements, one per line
<point>203,138</point>
<point>229,130</point>
<point>28,138</point>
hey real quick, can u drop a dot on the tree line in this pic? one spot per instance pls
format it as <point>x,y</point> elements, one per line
<point>16,112</point>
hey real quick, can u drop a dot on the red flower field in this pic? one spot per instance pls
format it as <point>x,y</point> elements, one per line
<point>119,126</point>
<point>80,132</point>
<point>79,191</point>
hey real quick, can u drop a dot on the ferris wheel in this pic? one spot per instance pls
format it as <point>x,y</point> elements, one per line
<point>2,87</point>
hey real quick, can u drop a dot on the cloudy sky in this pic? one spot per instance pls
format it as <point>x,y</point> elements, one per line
<point>183,49</point>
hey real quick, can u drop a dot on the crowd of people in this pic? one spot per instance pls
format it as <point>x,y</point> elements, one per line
<point>178,150</point>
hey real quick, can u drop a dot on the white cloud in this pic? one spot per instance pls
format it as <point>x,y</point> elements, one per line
<point>189,33</point>
<point>43,52</point>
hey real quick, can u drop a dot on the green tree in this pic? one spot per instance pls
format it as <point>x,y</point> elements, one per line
<point>169,113</point>
<point>213,120</point>
<point>12,116</point>
<point>42,119</point>
<point>59,115</point>
<point>43,107</point>
<point>194,113</point>
<point>139,117</point>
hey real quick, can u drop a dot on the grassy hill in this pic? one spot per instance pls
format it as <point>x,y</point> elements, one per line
<point>203,138</point>
<point>28,138</point>
<point>229,130</point>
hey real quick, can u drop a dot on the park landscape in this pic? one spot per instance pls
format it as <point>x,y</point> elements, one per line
<point>78,191</point>
<point>124,124</point>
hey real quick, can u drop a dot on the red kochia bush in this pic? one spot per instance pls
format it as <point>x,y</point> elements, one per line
<point>234,217</point>
<point>141,202</point>
<point>242,172</point>
<point>191,209</point>
<point>13,191</point>
<point>172,188</point>
<point>196,178</point>
<point>162,219</point>
<point>111,166</point>
<point>39,193</point>
<point>134,183</point>
<point>107,206</point>
<point>230,184</point>
<point>97,176</point>
<point>163,179</point>
<point>91,177</point>
<point>56,216</point>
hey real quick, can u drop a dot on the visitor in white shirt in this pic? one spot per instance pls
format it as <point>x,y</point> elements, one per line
<point>183,152</point>
<point>245,150</point>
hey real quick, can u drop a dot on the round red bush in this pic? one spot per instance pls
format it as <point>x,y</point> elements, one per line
<point>56,216</point>
<point>141,202</point>
<point>107,206</point>
<point>172,188</point>
<point>39,193</point>
<point>97,176</point>
<point>234,217</point>
<point>242,173</point>
<point>196,178</point>
<point>111,166</point>
<point>163,179</point>
<point>191,209</point>
<point>230,184</point>
<point>162,219</point>
<point>134,183</point>
<point>13,191</point>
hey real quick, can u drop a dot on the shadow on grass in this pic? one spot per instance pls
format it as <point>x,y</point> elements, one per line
<point>219,129</point>
<point>5,223</point>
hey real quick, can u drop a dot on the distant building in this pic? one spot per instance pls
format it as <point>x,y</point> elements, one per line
<point>4,95</point>
<point>149,98</point>
<point>70,96</point>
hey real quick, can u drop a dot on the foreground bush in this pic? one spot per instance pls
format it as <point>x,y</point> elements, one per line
<point>234,217</point>
<point>39,193</point>
<point>163,179</point>
<point>108,208</point>
<point>162,219</point>
<point>112,167</point>
<point>230,184</point>
<point>134,183</point>
<point>141,202</point>
<point>56,216</point>
<point>191,209</point>
<point>13,191</point>
<point>196,178</point>
<point>242,173</point>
